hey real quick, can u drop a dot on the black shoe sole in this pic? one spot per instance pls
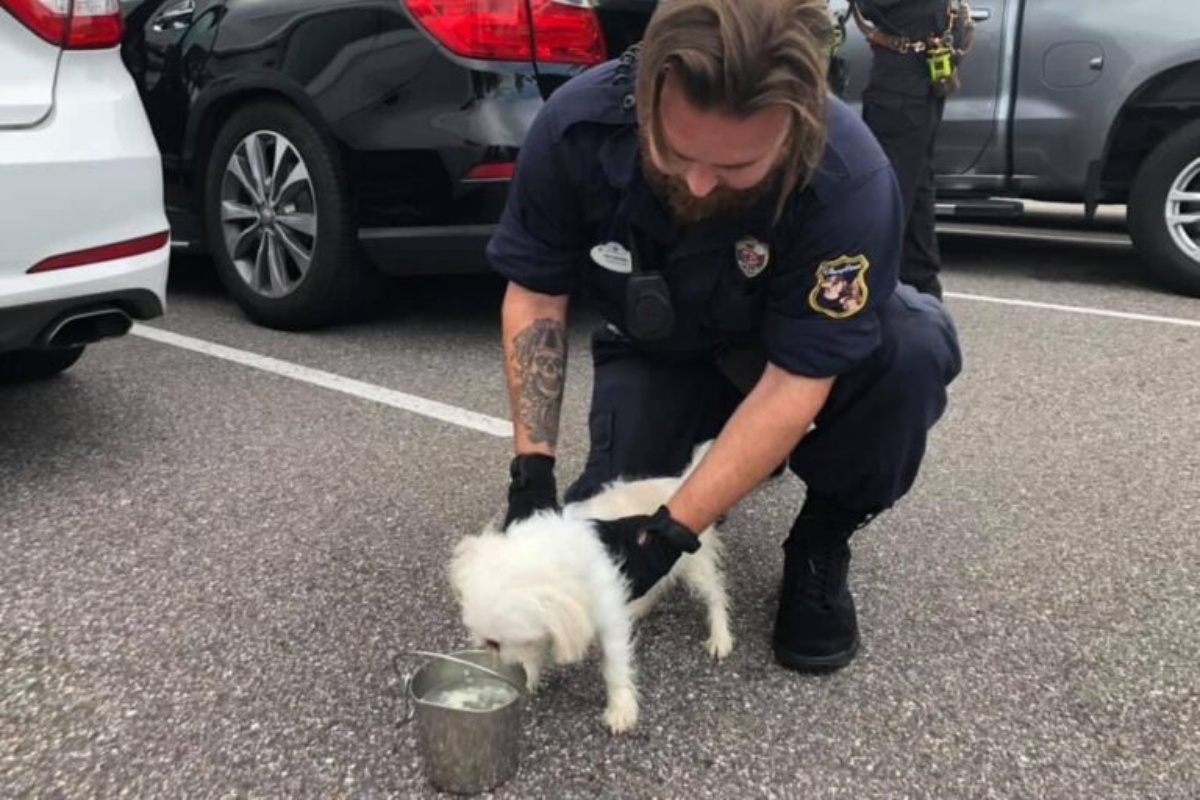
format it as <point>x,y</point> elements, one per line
<point>816,664</point>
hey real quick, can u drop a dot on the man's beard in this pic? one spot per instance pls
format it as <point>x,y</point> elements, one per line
<point>686,208</point>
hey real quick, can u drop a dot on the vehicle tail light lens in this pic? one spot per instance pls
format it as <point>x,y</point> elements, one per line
<point>95,24</point>
<point>557,31</point>
<point>490,172</point>
<point>71,24</point>
<point>567,33</point>
<point>108,252</point>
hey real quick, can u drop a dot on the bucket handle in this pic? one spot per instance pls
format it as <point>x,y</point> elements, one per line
<point>406,690</point>
<point>409,711</point>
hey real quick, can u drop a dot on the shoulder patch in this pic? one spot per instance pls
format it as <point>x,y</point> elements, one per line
<point>840,288</point>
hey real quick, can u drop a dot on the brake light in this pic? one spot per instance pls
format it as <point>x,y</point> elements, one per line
<point>108,252</point>
<point>95,24</point>
<point>71,24</point>
<point>560,31</point>
<point>567,33</point>
<point>490,172</point>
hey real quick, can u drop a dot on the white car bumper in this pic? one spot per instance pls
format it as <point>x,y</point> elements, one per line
<point>87,177</point>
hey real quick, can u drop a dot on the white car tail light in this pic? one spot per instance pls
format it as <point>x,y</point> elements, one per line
<point>71,24</point>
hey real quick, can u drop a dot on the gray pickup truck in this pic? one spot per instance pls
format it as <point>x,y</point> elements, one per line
<point>1078,101</point>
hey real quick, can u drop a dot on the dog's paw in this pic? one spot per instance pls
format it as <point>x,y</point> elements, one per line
<point>622,712</point>
<point>533,677</point>
<point>719,645</point>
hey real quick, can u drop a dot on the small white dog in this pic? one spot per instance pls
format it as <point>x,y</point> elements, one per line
<point>549,586</point>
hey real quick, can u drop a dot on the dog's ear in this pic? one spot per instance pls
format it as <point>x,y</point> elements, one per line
<point>567,612</point>
<point>464,555</point>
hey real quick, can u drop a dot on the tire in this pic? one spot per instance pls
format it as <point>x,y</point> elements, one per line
<point>23,366</point>
<point>1170,247</point>
<point>272,282</point>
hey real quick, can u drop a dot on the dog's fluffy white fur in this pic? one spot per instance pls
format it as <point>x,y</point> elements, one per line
<point>548,588</point>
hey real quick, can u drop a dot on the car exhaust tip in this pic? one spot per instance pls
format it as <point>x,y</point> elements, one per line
<point>85,327</point>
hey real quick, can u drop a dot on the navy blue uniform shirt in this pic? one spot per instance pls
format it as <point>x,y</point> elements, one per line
<point>808,287</point>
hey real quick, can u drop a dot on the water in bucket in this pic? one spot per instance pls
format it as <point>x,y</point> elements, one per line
<point>472,694</point>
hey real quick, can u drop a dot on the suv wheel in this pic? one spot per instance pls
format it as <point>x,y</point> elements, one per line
<point>1164,209</point>
<point>20,366</point>
<point>278,219</point>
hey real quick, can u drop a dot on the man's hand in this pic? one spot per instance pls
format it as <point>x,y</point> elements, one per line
<point>646,546</point>
<point>532,487</point>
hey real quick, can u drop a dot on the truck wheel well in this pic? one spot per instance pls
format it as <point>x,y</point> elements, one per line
<point>1159,108</point>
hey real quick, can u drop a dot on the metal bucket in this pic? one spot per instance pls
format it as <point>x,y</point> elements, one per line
<point>465,751</point>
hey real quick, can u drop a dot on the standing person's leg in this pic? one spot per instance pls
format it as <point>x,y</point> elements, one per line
<point>863,455</point>
<point>647,414</point>
<point>921,260</point>
<point>906,128</point>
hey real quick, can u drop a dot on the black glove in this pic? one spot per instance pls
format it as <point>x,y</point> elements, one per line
<point>647,547</point>
<point>533,487</point>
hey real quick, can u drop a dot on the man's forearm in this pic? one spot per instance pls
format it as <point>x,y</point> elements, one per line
<point>760,435</point>
<point>535,359</point>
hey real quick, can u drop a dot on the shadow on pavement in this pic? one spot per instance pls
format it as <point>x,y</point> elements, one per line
<point>1048,262</point>
<point>422,300</point>
<point>475,298</point>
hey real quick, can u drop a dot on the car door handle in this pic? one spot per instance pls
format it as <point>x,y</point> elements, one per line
<point>981,14</point>
<point>174,17</point>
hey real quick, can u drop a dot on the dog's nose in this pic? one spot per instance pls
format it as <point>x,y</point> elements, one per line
<point>492,645</point>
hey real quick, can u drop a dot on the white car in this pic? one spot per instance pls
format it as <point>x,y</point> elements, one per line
<point>84,240</point>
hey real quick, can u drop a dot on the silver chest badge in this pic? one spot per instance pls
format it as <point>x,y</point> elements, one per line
<point>752,256</point>
<point>613,257</point>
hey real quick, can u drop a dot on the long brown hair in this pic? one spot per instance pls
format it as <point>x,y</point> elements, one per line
<point>739,57</point>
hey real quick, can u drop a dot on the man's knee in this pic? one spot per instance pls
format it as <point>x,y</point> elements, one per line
<point>927,357</point>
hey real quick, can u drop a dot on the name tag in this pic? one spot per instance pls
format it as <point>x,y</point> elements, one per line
<point>613,257</point>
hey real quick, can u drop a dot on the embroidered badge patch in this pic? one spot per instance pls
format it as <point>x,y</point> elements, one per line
<point>752,256</point>
<point>840,289</point>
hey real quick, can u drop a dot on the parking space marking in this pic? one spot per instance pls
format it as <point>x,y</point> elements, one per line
<point>501,428</point>
<point>493,426</point>
<point>1086,310</point>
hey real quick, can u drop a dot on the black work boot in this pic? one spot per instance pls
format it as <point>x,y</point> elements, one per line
<point>816,628</point>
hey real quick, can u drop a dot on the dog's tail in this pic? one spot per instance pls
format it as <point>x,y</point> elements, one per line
<point>698,454</point>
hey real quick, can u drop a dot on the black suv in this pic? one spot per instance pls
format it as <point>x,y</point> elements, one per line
<point>308,144</point>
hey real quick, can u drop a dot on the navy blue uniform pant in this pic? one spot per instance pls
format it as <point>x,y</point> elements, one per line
<point>648,413</point>
<point>907,129</point>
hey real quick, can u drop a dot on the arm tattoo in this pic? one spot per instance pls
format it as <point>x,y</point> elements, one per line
<point>539,361</point>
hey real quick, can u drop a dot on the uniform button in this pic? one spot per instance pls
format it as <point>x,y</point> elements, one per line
<point>627,101</point>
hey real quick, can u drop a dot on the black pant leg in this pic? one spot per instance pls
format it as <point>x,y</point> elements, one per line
<point>647,414</point>
<point>906,127</point>
<point>870,437</point>
<point>921,260</point>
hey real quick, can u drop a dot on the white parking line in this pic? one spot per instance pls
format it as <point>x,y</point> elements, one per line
<point>1087,310</point>
<point>501,428</point>
<point>483,423</point>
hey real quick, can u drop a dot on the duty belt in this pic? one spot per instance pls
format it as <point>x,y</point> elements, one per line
<point>902,44</point>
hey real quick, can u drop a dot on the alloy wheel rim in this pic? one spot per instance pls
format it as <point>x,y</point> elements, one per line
<point>269,214</point>
<point>1183,210</point>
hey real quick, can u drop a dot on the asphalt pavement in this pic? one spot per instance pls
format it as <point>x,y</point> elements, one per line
<point>207,566</point>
